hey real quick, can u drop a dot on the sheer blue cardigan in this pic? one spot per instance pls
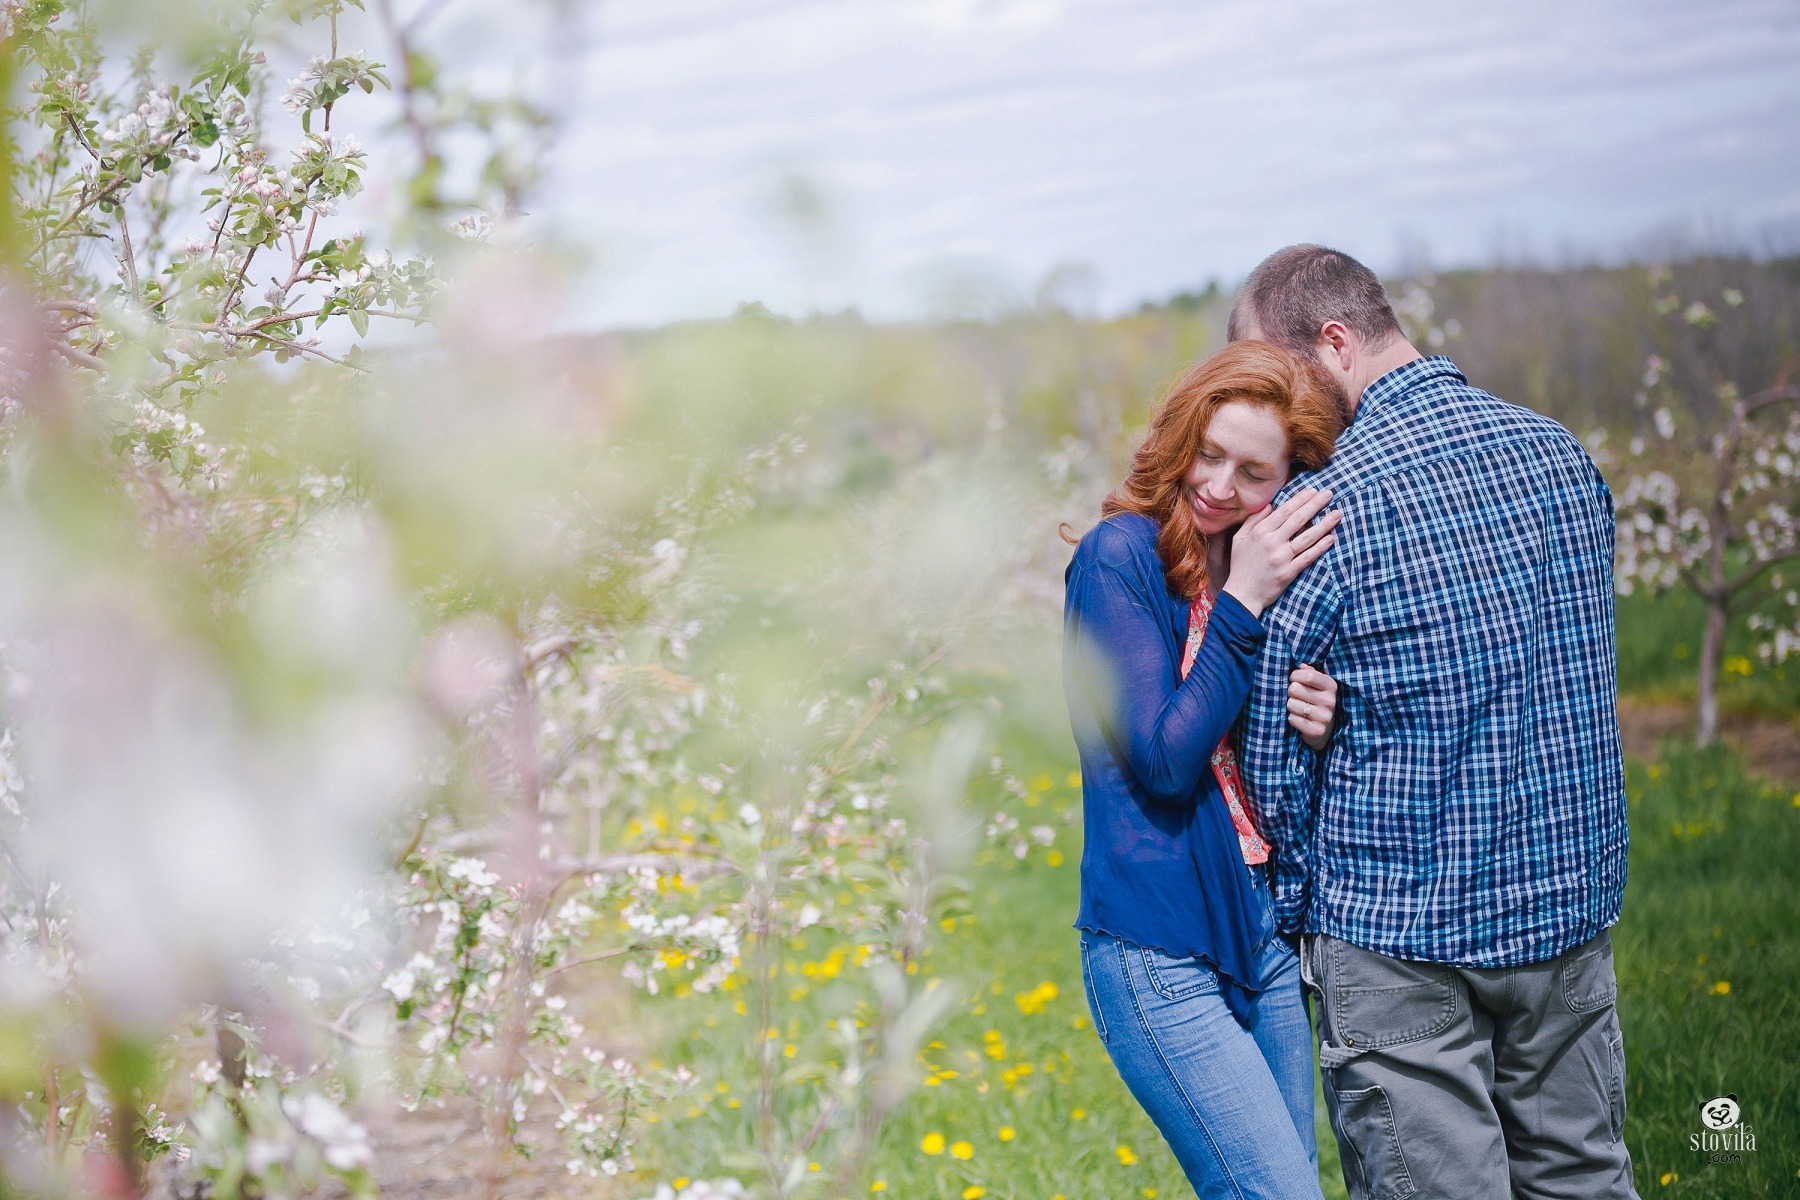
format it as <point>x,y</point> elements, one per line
<point>1160,865</point>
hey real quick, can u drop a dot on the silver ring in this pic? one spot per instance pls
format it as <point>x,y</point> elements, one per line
<point>1308,708</point>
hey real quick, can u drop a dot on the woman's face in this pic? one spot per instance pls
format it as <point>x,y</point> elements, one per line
<point>1241,464</point>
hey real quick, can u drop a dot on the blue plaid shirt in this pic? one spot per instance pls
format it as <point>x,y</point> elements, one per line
<point>1470,807</point>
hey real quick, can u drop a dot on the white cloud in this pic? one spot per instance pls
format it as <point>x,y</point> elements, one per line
<point>1159,140</point>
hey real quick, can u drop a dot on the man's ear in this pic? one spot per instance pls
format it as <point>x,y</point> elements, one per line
<point>1336,340</point>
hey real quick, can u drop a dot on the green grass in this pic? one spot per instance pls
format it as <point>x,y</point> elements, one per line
<point>1708,956</point>
<point>1659,648</point>
<point>1711,902</point>
<point>1014,1072</point>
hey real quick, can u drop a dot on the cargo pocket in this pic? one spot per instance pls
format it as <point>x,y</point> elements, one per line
<point>1615,1086</point>
<point>1588,981</point>
<point>1374,1168</point>
<point>1378,1002</point>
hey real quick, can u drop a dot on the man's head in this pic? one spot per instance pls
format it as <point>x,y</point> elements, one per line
<point>1324,306</point>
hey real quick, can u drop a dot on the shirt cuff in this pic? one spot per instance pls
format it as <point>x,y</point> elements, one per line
<point>1233,619</point>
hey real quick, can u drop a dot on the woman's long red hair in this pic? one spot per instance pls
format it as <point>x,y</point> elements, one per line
<point>1254,372</point>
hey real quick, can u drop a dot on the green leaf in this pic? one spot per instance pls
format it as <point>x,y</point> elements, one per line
<point>360,320</point>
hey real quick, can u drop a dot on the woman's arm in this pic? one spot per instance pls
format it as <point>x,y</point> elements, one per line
<point>1165,730</point>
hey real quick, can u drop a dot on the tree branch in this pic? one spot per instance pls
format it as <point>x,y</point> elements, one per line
<point>80,358</point>
<point>297,348</point>
<point>1750,574</point>
<point>1779,394</point>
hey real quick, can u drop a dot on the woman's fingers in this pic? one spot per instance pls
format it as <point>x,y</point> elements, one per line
<point>1308,676</point>
<point>1316,530</point>
<point>1312,702</point>
<point>1299,509</point>
<point>1307,726</point>
<point>1310,555</point>
<point>1256,518</point>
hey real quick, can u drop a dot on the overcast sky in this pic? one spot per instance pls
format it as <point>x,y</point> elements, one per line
<point>913,156</point>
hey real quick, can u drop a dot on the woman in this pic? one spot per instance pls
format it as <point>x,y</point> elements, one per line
<point>1195,995</point>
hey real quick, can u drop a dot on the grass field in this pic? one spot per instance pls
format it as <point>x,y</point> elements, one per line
<point>1020,1100</point>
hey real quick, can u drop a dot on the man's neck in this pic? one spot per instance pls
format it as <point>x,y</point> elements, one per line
<point>1395,354</point>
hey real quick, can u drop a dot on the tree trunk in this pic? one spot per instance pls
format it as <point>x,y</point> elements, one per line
<point>1712,648</point>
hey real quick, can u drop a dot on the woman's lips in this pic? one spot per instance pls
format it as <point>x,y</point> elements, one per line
<point>1210,510</point>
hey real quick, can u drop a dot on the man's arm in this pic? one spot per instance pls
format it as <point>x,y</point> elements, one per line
<point>1282,771</point>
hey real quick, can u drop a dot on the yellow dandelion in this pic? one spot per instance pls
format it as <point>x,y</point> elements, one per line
<point>973,1190</point>
<point>880,1185</point>
<point>932,1143</point>
<point>1127,1157</point>
<point>1078,1114</point>
<point>1008,1133</point>
<point>1054,858</point>
<point>1721,988</point>
<point>962,1150</point>
<point>1149,1194</point>
<point>813,1166</point>
<point>680,1182</point>
<point>1668,1177</point>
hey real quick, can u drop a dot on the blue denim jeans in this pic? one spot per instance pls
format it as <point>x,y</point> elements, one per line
<point>1234,1104</point>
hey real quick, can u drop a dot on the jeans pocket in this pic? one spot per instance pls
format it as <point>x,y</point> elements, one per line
<point>1377,1002</point>
<point>1176,978</point>
<point>1374,1168</point>
<point>1087,981</point>
<point>1588,981</point>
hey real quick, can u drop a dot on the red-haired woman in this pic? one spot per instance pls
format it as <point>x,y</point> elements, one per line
<point>1194,993</point>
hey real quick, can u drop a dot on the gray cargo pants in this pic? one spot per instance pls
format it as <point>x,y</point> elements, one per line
<point>1451,1083</point>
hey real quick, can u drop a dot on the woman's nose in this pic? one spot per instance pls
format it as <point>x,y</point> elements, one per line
<point>1216,487</point>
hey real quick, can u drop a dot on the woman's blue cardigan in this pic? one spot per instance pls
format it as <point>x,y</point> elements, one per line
<point>1161,864</point>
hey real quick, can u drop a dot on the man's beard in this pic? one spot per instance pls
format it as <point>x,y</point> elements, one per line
<point>1334,387</point>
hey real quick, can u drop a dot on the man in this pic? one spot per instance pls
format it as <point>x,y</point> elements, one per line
<point>1455,856</point>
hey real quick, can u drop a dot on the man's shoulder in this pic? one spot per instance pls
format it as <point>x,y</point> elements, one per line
<point>1446,417</point>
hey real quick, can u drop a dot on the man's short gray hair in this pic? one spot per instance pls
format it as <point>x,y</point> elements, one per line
<point>1295,291</point>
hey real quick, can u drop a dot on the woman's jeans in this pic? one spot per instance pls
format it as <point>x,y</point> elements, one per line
<point>1235,1105</point>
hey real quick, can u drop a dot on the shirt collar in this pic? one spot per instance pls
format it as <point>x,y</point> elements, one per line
<point>1403,379</point>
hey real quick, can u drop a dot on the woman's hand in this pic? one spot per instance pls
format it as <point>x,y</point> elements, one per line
<point>1271,548</point>
<point>1311,705</point>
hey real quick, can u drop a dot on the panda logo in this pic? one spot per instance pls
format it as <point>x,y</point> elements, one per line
<point>1720,1113</point>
